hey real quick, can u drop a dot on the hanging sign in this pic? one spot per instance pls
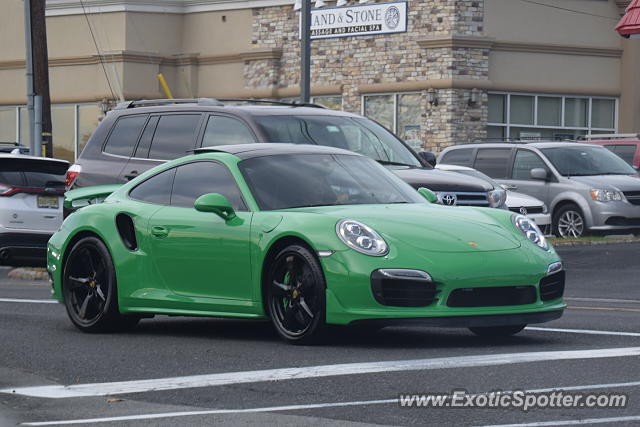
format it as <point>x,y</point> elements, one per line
<point>364,20</point>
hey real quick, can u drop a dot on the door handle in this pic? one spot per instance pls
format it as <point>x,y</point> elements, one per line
<point>131,175</point>
<point>159,232</point>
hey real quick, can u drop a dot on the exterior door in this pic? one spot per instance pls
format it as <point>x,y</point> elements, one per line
<point>198,254</point>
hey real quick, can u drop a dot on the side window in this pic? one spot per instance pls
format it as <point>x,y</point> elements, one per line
<point>626,152</point>
<point>493,161</point>
<point>174,136</point>
<point>223,130</point>
<point>460,157</point>
<point>524,162</point>
<point>124,136</point>
<point>156,189</point>
<point>145,140</point>
<point>198,178</point>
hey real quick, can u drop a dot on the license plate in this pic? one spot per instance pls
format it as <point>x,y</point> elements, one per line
<point>50,202</point>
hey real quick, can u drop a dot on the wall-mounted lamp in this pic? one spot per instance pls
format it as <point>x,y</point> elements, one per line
<point>340,3</point>
<point>432,97</point>
<point>474,97</point>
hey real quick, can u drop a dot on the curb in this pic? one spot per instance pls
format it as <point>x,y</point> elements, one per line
<point>28,274</point>
<point>594,242</point>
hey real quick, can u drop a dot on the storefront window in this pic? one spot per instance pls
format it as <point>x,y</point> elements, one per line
<point>331,102</point>
<point>549,117</point>
<point>408,119</point>
<point>381,109</point>
<point>63,131</point>
<point>8,124</point>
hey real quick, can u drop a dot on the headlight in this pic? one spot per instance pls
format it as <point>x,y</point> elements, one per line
<point>606,195</point>
<point>530,230</point>
<point>361,238</point>
<point>497,197</point>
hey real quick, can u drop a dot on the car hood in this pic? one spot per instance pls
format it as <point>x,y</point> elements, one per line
<point>515,200</point>
<point>429,227</point>
<point>438,180</point>
<point>605,182</point>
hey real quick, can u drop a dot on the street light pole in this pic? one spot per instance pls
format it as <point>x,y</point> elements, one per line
<point>29,69</point>
<point>305,52</point>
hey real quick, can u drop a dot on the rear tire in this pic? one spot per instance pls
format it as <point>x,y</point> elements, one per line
<point>89,289</point>
<point>568,222</point>
<point>497,331</point>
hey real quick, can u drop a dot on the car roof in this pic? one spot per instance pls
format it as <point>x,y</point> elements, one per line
<point>449,167</point>
<point>615,141</point>
<point>25,157</point>
<point>245,151</point>
<point>541,144</point>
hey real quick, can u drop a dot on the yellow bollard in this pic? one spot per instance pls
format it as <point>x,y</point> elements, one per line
<point>164,85</point>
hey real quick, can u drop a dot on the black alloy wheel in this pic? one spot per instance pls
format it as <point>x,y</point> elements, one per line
<point>295,293</point>
<point>497,331</point>
<point>89,289</point>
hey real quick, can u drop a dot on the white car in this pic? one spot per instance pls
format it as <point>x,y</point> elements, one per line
<point>31,196</point>
<point>516,202</point>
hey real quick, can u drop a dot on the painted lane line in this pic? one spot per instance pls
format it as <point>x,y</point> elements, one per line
<point>297,407</point>
<point>637,310</point>
<point>611,300</point>
<point>584,331</point>
<point>226,378</point>
<point>29,301</point>
<point>571,422</point>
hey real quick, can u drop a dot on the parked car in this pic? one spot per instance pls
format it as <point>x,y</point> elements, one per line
<point>305,236</point>
<point>625,146</point>
<point>139,135</point>
<point>31,196</point>
<point>586,187</point>
<point>13,147</point>
<point>516,202</point>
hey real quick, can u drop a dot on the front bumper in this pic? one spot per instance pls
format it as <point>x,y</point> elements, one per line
<point>350,298</point>
<point>540,219</point>
<point>614,215</point>
<point>24,249</point>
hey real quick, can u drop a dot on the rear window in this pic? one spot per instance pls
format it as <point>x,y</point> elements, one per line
<point>124,136</point>
<point>32,173</point>
<point>461,157</point>
<point>627,152</point>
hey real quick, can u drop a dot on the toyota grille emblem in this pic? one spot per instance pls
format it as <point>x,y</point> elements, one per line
<point>448,199</point>
<point>523,210</point>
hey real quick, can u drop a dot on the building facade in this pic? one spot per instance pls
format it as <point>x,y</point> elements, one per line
<point>464,70</point>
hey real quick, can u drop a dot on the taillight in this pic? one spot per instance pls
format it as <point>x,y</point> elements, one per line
<point>72,175</point>
<point>5,190</point>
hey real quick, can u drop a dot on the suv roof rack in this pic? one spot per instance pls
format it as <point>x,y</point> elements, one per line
<point>522,140</point>
<point>218,102</point>
<point>612,136</point>
<point>149,102</point>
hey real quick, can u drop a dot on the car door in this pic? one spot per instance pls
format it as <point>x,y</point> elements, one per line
<point>520,177</point>
<point>199,255</point>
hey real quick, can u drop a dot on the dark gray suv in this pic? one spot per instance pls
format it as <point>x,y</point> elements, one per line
<point>138,135</point>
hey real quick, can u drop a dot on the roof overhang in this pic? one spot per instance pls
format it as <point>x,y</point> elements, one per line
<point>629,25</point>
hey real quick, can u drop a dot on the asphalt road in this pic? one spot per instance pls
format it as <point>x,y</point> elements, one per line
<point>593,348</point>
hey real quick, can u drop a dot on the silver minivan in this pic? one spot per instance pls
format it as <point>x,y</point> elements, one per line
<point>586,187</point>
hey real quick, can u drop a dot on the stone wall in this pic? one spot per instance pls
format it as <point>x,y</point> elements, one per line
<point>384,59</point>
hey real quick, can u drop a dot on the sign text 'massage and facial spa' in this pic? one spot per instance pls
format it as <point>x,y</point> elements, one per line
<point>365,20</point>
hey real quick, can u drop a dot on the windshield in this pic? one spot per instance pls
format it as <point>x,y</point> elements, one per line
<point>300,180</point>
<point>360,135</point>
<point>579,160</point>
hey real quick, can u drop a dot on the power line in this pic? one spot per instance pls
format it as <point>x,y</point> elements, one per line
<point>568,10</point>
<point>104,69</point>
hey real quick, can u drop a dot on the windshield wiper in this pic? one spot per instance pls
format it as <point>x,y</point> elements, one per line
<point>390,163</point>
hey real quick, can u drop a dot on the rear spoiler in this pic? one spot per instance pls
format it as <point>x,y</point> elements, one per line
<point>85,196</point>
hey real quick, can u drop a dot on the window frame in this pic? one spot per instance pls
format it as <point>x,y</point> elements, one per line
<point>395,106</point>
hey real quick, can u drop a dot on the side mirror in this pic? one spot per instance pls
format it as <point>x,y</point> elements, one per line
<point>539,173</point>
<point>216,203</point>
<point>428,194</point>
<point>428,157</point>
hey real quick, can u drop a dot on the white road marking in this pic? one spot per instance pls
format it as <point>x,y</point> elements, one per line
<point>29,301</point>
<point>585,331</point>
<point>612,300</point>
<point>225,378</point>
<point>297,407</point>
<point>571,422</point>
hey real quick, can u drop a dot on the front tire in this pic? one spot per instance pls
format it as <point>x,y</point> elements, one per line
<point>295,295</point>
<point>497,331</point>
<point>89,289</point>
<point>568,222</point>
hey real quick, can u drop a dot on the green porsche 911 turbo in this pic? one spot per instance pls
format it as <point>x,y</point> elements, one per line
<point>304,235</point>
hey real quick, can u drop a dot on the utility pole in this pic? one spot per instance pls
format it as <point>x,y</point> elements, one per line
<point>29,71</point>
<point>41,74</point>
<point>305,52</point>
